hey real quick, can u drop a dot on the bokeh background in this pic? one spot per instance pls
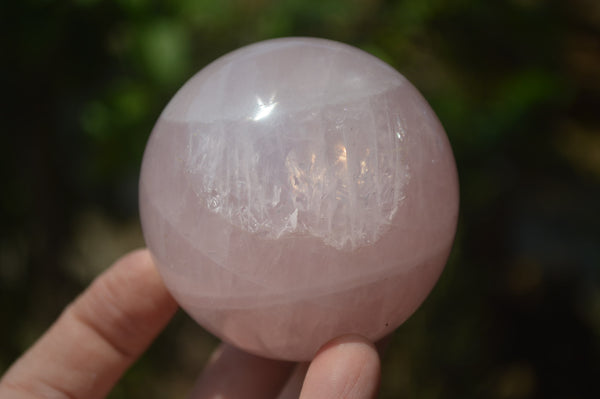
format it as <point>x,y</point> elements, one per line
<point>516,83</point>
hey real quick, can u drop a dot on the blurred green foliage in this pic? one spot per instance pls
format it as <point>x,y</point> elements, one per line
<point>516,84</point>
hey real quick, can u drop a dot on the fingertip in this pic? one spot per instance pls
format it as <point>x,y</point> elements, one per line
<point>357,342</point>
<point>233,373</point>
<point>138,261</point>
<point>346,367</point>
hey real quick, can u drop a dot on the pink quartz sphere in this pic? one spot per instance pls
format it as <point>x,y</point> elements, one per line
<point>296,190</point>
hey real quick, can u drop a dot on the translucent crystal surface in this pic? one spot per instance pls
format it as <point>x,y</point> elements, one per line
<point>295,190</point>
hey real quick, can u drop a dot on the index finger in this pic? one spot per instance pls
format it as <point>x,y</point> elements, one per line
<point>97,337</point>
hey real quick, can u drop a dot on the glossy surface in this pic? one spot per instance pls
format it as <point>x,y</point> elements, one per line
<point>295,190</point>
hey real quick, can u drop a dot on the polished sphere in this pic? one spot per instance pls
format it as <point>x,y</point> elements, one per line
<point>296,190</point>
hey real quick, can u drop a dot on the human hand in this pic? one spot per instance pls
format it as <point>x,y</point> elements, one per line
<point>109,326</point>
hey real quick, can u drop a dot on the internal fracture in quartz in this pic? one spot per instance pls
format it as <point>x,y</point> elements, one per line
<point>309,178</point>
<point>296,190</point>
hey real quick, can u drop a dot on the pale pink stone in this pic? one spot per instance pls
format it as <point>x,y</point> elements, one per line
<point>296,190</point>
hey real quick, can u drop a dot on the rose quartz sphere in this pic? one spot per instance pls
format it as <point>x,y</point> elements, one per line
<point>296,190</point>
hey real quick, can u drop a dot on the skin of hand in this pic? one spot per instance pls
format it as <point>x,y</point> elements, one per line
<point>100,334</point>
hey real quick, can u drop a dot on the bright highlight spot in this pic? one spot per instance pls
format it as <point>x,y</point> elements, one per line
<point>264,109</point>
